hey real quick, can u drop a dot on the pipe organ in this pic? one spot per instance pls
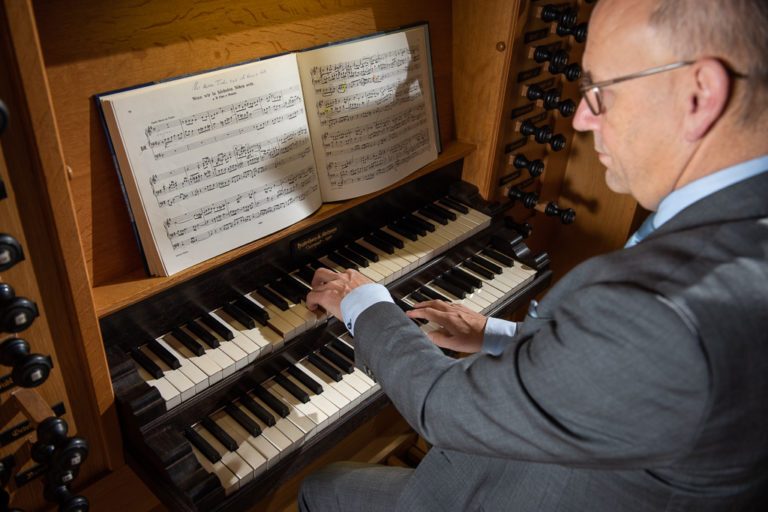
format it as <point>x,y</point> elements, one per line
<point>215,385</point>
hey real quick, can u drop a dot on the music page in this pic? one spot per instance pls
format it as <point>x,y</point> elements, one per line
<point>215,160</point>
<point>371,113</point>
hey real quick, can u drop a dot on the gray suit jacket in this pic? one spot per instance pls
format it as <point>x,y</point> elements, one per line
<point>642,385</point>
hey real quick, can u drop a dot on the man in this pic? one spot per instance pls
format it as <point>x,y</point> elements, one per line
<point>641,380</point>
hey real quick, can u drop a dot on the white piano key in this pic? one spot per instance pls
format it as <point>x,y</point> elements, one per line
<point>262,336</point>
<point>318,400</point>
<point>287,427</point>
<point>228,480</point>
<point>188,368</point>
<point>175,377</point>
<point>234,462</point>
<point>168,392</point>
<point>295,416</point>
<point>329,391</point>
<point>351,394</point>
<point>255,458</point>
<point>307,409</point>
<point>205,363</point>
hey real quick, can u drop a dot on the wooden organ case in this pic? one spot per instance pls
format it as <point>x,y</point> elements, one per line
<point>501,70</point>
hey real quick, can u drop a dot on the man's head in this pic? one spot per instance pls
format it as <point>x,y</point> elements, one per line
<point>657,132</point>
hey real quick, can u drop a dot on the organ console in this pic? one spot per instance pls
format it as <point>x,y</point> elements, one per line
<point>216,386</point>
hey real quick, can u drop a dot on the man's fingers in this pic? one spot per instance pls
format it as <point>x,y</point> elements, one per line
<point>431,314</point>
<point>434,304</point>
<point>323,275</point>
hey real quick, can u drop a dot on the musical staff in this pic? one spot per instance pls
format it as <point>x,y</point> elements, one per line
<point>243,208</point>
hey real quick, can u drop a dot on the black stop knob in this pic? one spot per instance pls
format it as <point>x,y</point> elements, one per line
<point>51,432</point>
<point>70,454</point>
<point>543,135</point>
<point>534,92</point>
<point>29,370</point>
<point>579,32</point>
<point>551,12</point>
<point>567,215</point>
<point>557,58</point>
<point>571,72</point>
<point>10,252</point>
<point>67,501</point>
<point>552,102</point>
<point>535,167</point>
<point>529,199</point>
<point>16,313</point>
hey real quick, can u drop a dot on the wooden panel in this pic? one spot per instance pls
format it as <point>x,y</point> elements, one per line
<point>91,47</point>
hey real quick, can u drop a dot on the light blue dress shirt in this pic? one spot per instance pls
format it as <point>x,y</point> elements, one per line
<point>498,333</point>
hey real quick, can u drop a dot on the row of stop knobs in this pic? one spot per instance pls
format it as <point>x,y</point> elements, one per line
<point>531,200</point>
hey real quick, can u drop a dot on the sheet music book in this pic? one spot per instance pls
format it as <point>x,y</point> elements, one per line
<point>212,161</point>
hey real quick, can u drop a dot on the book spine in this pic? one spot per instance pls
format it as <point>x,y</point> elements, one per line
<point>134,227</point>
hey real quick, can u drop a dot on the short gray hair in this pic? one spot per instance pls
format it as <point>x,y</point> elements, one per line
<point>736,31</point>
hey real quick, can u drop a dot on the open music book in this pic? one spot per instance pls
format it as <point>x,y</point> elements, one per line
<point>215,160</point>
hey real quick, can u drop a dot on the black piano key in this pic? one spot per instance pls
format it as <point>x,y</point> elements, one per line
<point>477,269</point>
<point>432,294</point>
<point>287,291</point>
<point>220,434</point>
<point>239,315</point>
<point>441,211</point>
<point>341,260</point>
<point>253,310</point>
<point>435,217</point>
<point>452,203</point>
<point>243,419</point>
<point>257,410</point>
<point>306,273</point>
<point>337,360</point>
<point>486,264</point>
<point>418,296</point>
<point>379,243</point>
<point>459,274</point>
<point>407,223</point>
<point>161,352</point>
<point>403,231</point>
<point>353,257</point>
<point>148,364</point>
<point>273,297</point>
<point>363,251</point>
<point>271,400</point>
<point>407,307</point>
<point>501,258</point>
<point>291,281</point>
<point>188,341</point>
<point>458,283</point>
<point>427,226</point>
<point>391,240</point>
<point>450,287</point>
<point>325,367</point>
<point>201,444</point>
<point>217,327</point>
<point>203,333</point>
<point>305,379</point>
<point>292,388</point>
<point>344,349</point>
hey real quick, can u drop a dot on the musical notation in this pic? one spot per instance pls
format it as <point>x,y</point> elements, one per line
<point>365,136</point>
<point>243,162</point>
<point>373,164</point>
<point>198,225</point>
<point>366,66</point>
<point>175,136</point>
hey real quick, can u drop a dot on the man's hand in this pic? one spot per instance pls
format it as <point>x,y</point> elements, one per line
<point>329,288</point>
<point>461,329</point>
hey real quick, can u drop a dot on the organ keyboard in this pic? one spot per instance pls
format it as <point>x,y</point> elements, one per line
<point>228,384</point>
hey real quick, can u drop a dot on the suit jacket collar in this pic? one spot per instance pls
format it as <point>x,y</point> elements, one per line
<point>743,200</point>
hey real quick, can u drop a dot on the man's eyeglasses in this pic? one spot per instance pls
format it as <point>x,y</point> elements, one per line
<point>593,92</point>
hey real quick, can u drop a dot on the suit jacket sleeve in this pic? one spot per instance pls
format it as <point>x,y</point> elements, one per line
<point>615,378</point>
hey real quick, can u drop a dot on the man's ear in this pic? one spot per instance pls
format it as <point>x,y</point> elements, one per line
<point>707,97</point>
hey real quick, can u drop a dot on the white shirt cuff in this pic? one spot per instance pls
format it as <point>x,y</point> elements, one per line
<point>497,336</point>
<point>360,299</point>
